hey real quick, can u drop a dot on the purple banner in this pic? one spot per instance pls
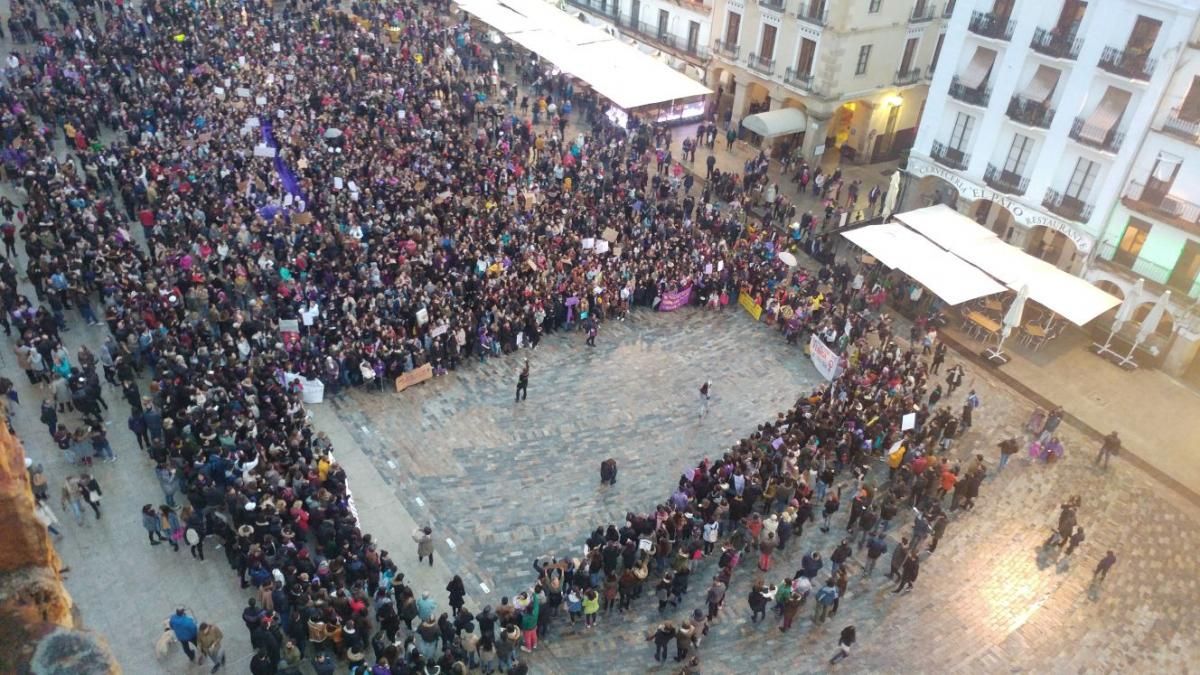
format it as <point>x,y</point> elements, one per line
<point>286,177</point>
<point>675,299</point>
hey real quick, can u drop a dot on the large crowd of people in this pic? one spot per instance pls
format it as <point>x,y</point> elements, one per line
<point>193,175</point>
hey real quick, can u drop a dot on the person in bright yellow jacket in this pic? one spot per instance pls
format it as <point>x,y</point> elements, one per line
<point>591,607</point>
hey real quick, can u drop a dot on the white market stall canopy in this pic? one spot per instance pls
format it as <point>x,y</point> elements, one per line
<point>776,122</point>
<point>615,70</point>
<point>947,276</point>
<point>1059,291</point>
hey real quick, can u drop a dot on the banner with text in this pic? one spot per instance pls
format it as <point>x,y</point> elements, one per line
<point>675,299</point>
<point>414,376</point>
<point>749,305</point>
<point>825,359</point>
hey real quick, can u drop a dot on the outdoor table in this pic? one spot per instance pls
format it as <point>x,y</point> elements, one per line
<point>984,321</point>
<point>993,305</point>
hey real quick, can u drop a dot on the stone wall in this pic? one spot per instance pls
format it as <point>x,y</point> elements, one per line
<point>40,630</point>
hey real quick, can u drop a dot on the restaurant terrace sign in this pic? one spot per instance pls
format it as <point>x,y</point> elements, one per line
<point>1021,213</point>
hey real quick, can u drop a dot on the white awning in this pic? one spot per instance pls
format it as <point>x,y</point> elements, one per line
<point>978,69</point>
<point>945,275</point>
<point>776,122</point>
<point>1106,115</point>
<point>1059,291</point>
<point>1041,87</point>
<point>499,17</point>
<point>615,70</point>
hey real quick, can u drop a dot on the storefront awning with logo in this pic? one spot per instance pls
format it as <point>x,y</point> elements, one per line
<point>776,122</point>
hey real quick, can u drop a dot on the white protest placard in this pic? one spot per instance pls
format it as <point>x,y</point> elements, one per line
<point>588,243</point>
<point>440,330</point>
<point>260,100</point>
<point>824,358</point>
<point>220,92</point>
<point>264,150</point>
<point>422,316</point>
<point>337,183</point>
<point>242,92</point>
<point>909,421</point>
<point>602,246</point>
<point>708,268</point>
<point>241,60</point>
<point>276,47</point>
<point>720,265</point>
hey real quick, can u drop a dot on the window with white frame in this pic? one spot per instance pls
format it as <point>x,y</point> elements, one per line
<point>961,134</point>
<point>1018,155</point>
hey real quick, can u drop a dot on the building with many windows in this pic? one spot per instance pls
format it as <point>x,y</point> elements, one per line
<point>676,30</point>
<point>1072,129</point>
<point>1041,112</point>
<point>1153,230</point>
<point>853,72</point>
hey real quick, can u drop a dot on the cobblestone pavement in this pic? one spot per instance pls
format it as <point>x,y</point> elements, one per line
<point>507,482</point>
<point>510,481</point>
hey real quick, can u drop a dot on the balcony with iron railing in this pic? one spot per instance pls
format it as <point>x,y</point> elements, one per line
<point>1056,45</point>
<point>655,32</point>
<point>761,64</point>
<point>773,5</point>
<point>928,74</point>
<point>991,26</point>
<point>795,78</point>
<point>727,50</point>
<point>814,12</point>
<point>949,157</point>
<point>1110,143</point>
<point>1164,206</point>
<point>907,76</point>
<point>1029,112</point>
<point>922,14</point>
<point>1176,125</point>
<point>608,9</point>
<point>1135,65</point>
<point>1067,207</point>
<point>1005,181</point>
<point>1158,278</point>
<point>975,96</point>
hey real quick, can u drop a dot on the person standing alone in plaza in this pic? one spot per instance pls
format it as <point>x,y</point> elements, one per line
<point>523,383</point>
<point>704,397</point>
<point>848,637</point>
<point>1103,567</point>
<point>424,538</point>
<point>1111,446</point>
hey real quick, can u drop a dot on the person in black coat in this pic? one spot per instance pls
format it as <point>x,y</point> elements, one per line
<point>263,664</point>
<point>908,574</point>
<point>458,593</point>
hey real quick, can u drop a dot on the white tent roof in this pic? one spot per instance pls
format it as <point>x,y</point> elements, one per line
<point>776,122</point>
<point>617,71</point>
<point>947,276</point>
<point>1061,292</point>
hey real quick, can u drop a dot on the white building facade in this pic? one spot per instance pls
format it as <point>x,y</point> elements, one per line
<point>1153,231</point>
<point>1041,111</point>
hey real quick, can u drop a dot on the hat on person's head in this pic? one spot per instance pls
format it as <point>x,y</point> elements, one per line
<point>246,531</point>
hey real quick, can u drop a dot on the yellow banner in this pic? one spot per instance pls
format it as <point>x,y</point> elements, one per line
<point>748,304</point>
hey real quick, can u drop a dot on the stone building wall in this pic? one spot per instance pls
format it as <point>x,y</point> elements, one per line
<point>40,631</point>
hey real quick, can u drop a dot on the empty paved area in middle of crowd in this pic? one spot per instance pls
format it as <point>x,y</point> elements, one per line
<point>507,482</point>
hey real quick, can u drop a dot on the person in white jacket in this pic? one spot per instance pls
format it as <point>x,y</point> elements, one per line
<point>46,517</point>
